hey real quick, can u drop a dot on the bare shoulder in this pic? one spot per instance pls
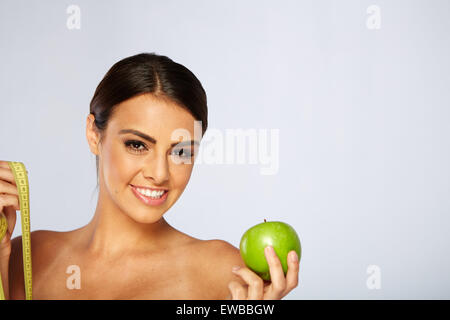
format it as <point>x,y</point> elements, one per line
<point>220,257</point>
<point>224,251</point>
<point>44,243</point>
<point>41,240</point>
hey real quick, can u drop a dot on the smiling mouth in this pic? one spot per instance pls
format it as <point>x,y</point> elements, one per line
<point>150,197</point>
<point>150,192</point>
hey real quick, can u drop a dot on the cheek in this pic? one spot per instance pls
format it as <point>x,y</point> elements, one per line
<point>118,167</point>
<point>181,175</point>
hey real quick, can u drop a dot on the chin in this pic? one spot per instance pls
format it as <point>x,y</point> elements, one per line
<point>146,216</point>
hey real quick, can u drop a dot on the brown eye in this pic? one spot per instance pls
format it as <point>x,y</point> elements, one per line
<point>182,153</point>
<point>135,146</point>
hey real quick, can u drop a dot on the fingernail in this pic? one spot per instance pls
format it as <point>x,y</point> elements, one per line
<point>294,257</point>
<point>269,249</point>
<point>235,268</point>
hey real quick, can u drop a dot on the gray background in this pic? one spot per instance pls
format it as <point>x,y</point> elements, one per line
<point>363,117</point>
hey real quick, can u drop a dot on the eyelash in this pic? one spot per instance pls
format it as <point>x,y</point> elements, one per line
<point>129,144</point>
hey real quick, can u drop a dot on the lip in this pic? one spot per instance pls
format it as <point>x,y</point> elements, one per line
<point>152,189</point>
<point>147,200</point>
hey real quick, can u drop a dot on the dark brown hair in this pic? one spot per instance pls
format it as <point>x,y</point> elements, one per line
<point>147,73</point>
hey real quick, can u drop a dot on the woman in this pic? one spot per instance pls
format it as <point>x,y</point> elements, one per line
<point>141,127</point>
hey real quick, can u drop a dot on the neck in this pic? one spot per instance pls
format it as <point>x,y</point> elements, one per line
<point>113,233</point>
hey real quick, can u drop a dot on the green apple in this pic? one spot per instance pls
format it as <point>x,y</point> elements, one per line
<point>281,236</point>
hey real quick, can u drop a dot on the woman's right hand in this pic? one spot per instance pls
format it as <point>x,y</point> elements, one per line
<point>9,204</point>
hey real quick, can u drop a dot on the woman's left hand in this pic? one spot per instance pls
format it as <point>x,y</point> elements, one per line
<point>257,288</point>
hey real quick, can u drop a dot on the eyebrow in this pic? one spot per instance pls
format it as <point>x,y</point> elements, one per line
<point>153,140</point>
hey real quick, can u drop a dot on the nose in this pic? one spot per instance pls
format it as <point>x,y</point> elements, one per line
<point>157,170</point>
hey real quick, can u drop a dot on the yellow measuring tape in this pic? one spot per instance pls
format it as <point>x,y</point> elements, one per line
<point>21,178</point>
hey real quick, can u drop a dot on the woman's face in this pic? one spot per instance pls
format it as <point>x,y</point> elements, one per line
<point>128,160</point>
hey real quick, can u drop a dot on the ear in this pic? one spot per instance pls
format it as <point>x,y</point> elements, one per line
<point>92,135</point>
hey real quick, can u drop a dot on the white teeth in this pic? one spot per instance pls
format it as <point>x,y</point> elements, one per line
<point>151,194</point>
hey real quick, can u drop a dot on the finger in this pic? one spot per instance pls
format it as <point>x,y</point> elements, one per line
<point>7,187</point>
<point>292,273</point>
<point>255,283</point>
<point>276,274</point>
<point>8,205</point>
<point>238,292</point>
<point>11,216</point>
<point>9,200</point>
<point>4,164</point>
<point>7,175</point>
